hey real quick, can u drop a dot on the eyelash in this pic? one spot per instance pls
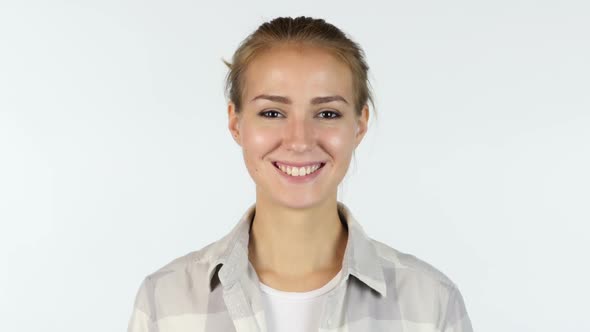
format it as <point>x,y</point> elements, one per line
<point>336,114</point>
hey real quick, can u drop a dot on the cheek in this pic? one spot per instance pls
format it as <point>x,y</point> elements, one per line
<point>256,138</point>
<point>338,142</point>
<point>256,144</point>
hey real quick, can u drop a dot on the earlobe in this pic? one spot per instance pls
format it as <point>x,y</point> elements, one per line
<point>361,128</point>
<point>233,122</point>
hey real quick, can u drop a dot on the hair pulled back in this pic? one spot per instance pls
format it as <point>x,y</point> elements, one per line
<point>306,31</point>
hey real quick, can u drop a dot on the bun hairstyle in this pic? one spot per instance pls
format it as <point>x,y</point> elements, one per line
<point>304,31</point>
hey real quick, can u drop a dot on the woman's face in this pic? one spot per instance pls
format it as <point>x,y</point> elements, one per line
<point>297,114</point>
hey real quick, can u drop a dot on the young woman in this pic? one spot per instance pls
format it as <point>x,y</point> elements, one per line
<point>298,260</point>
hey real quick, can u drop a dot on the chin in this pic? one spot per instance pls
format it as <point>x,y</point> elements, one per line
<point>298,202</point>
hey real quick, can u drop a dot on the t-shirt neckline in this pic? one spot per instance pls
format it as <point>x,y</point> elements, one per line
<point>302,295</point>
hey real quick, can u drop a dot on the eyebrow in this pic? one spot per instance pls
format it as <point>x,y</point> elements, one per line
<point>314,101</point>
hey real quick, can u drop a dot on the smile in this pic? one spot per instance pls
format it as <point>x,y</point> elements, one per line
<point>301,171</point>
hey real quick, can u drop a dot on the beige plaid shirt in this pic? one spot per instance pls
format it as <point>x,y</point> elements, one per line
<point>216,289</point>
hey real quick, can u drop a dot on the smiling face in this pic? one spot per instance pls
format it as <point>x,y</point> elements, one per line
<point>297,114</point>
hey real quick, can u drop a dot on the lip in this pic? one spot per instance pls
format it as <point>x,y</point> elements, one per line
<point>297,164</point>
<point>300,179</point>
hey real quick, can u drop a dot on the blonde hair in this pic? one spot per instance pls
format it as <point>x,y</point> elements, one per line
<point>300,30</point>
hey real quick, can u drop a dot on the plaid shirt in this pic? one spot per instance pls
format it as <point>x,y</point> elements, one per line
<point>216,289</point>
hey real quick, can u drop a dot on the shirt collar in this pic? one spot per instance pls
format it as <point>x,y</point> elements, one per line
<point>360,257</point>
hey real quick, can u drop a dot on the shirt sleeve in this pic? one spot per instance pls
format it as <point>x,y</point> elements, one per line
<point>142,316</point>
<point>456,318</point>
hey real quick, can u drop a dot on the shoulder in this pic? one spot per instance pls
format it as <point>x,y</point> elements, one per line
<point>416,282</point>
<point>191,265</point>
<point>422,291</point>
<point>177,283</point>
<point>411,265</point>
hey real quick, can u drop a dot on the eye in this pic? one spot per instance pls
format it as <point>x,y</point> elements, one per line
<point>269,114</point>
<point>330,114</point>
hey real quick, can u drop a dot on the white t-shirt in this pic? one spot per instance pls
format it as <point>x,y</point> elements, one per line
<point>295,311</point>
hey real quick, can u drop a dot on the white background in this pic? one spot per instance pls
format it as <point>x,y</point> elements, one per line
<point>115,156</point>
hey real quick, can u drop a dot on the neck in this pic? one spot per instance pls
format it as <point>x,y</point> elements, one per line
<point>296,242</point>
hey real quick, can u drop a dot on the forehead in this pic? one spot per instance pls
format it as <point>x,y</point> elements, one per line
<point>297,71</point>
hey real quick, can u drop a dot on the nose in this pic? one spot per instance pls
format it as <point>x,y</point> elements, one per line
<point>299,134</point>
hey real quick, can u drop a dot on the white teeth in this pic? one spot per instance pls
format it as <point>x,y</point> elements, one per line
<point>298,171</point>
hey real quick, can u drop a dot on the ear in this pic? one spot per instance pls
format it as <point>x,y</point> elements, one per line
<point>233,123</point>
<point>362,125</point>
